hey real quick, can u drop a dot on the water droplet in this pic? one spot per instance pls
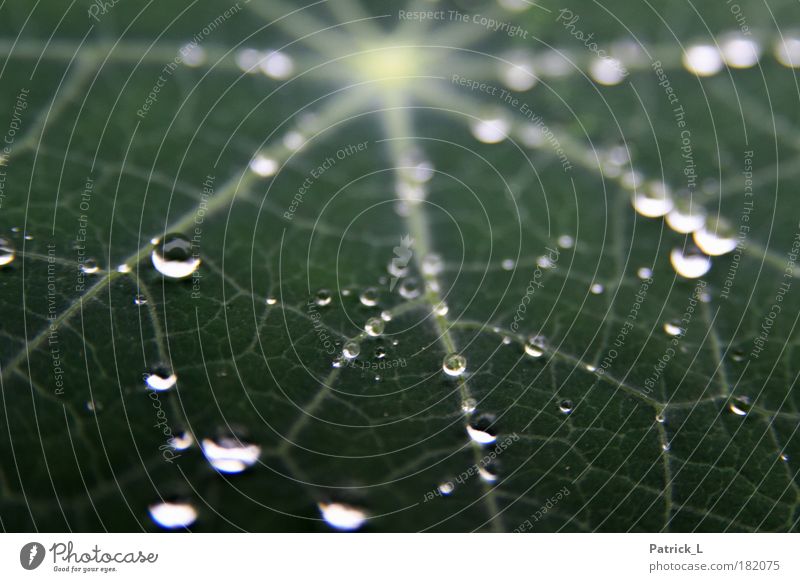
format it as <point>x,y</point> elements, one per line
<point>277,65</point>
<point>607,71</point>
<point>545,262</point>
<point>507,264</point>
<point>673,328</point>
<point>323,297</point>
<point>590,368</point>
<point>386,315</point>
<point>716,238</point>
<point>566,406</point>
<point>410,289</point>
<point>660,418</point>
<point>90,267</point>
<point>7,251</point>
<point>690,263</point>
<point>230,455</point>
<point>469,405</point>
<point>703,60</point>
<point>342,517</point>
<point>740,53</point>
<point>565,241</point>
<point>739,405</point>
<point>124,269</point>
<point>172,515</point>
<point>454,364</point>
<point>193,55</point>
<point>263,166</point>
<point>446,488</point>
<point>784,457</point>
<point>738,355</point>
<point>787,51</point>
<point>374,326</point>
<point>93,406</point>
<point>653,201</point>
<point>491,130</point>
<point>377,377</point>
<point>441,309</point>
<point>351,350</point>
<point>247,60</point>
<point>161,378</point>
<point>487,475</point>
<point>380,352</point>
<point>686,216</point>
<point>506,340</point>
<point>597,289</point>
<point>338,362</point>
<point>396,269</point>
<point>182,441</point>
<point>294,140</point>
<point>517,74</point>
<point>369,297</point>
<point>481,430</point>
<point>644,273</point>
<point>535,346</point>
<point>139,300</point>
<point>173,257</point>
<point>432,265</point>
<point>666,447</point>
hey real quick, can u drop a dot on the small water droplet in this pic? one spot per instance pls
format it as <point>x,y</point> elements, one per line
<point>160,378</point>
<point>272,300</point>
<point>380,352</point>
<point>263,166</point>
<point>566,406</point>
<point>787,51</point>
<point>173,515</point>
<point>374,326</point>
<point>738,355</point>
<point>507,264</point>
<point>644,273</point>
<point>740,53</point>
<point>666,447</point>
<point>323,297</point>
<point>7,251</point>
<point>673,328</point>
<point>607,71</point>
<point>338,362</point>
<point>690,263</point>
<point>686,216</point>
<point>597,289</point>
<point>173,257</point>
<point>441,309</point>
<point>565,241</point>
<point>410,289</point>
<point>446,488</point>
<point>386,315</point>
<point>517,72</point>
<point>369,297</point>
<point>481,430</point>
<point>784,457</point>
<point>454,364</point>
<point>469,405</point>
<point>90,267</point>
<point>395,342</point>
<point>660,418</point>
<point>182,441</point>
<point>740,405</point>
<point>124,269</point>
<point>230,455</point>
<point>139,300</point>
<point>351,350</point>
<point>486,474</point>
<point>506,340</point>
<point>396,269</point>
<point>277,65</point>
<point>93,406</point>
<point>342,517</point>
<point>535,346</point>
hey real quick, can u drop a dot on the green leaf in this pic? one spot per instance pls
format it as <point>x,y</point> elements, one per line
<point>401,186</point>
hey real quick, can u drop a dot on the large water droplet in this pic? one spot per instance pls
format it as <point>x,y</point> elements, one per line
<point>690,263</point>
<point>230,455</point>
<point>173,257</point>
<point>342,517</point>
<point>653,200</point>
<point>374,326</point>
<point>161,378</point>
<point>703,60</point>
<point>172,515</point>
<point>716,238</point>
<point>454,364</point>
<point>7,251</point>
